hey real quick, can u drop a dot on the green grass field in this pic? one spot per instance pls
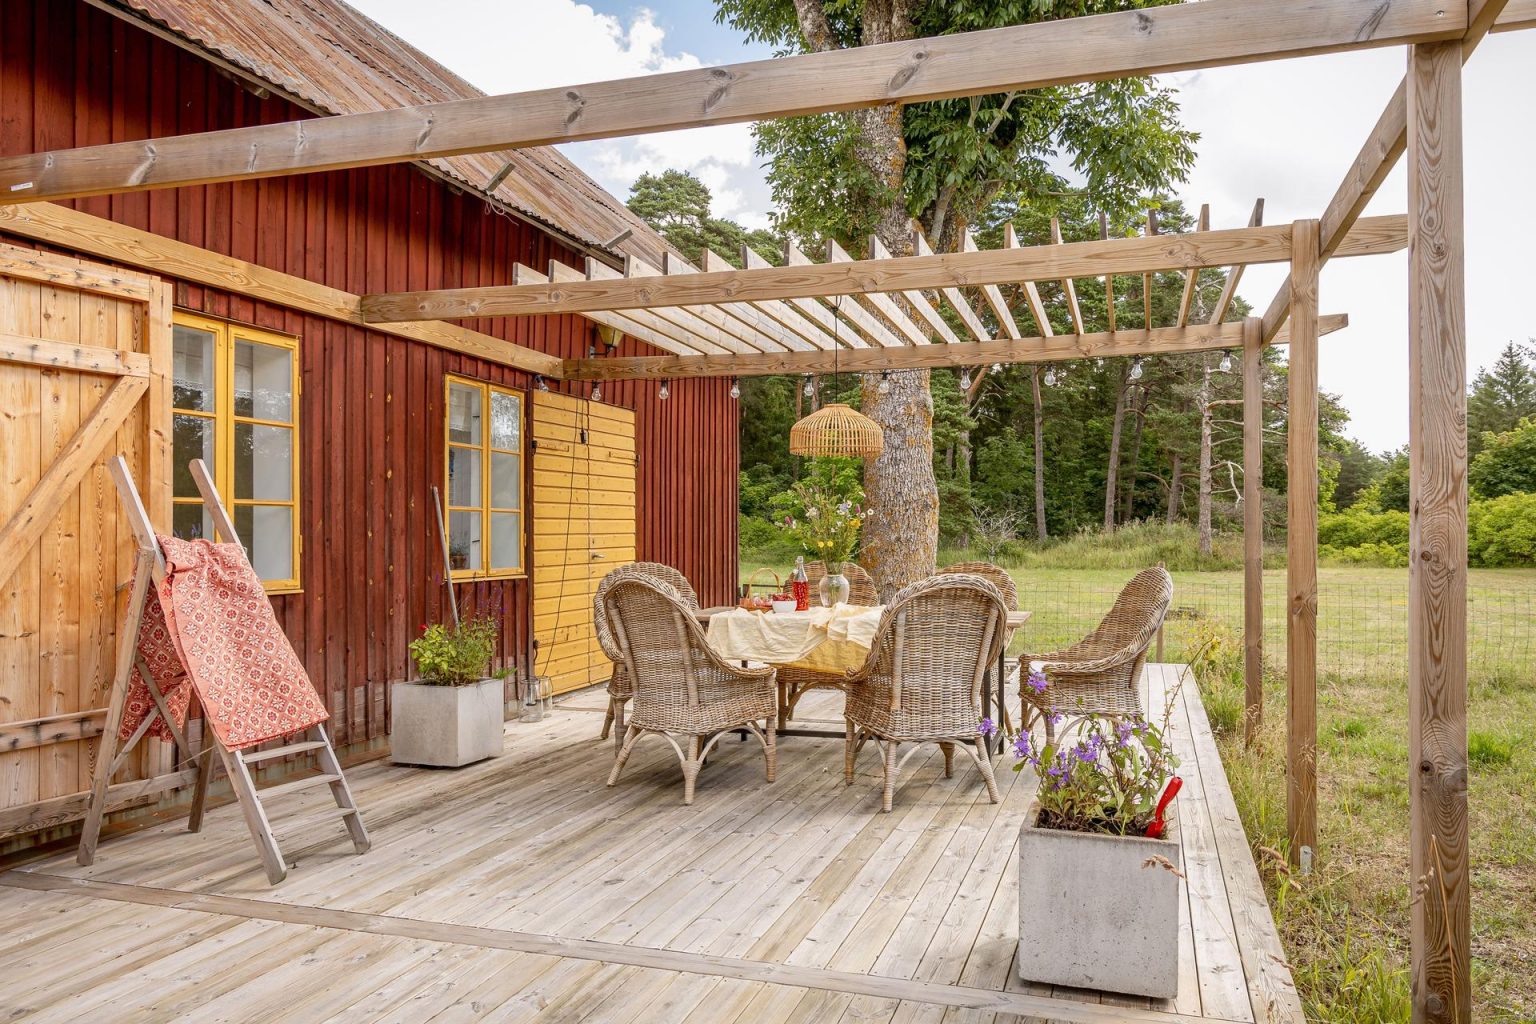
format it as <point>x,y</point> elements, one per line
<point>1345,926</point>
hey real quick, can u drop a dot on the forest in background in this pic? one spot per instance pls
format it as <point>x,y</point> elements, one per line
<point>1120,441</point>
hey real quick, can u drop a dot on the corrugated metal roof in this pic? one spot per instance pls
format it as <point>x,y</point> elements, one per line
<point>337,61</point>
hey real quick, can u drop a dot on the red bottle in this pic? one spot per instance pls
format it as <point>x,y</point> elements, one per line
<point>800,585</point>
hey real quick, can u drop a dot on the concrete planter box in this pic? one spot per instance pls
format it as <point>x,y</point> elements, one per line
<point>1094,914</point>
<point>445,726</point>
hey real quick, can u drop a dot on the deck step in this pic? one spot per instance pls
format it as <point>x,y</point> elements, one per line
<point>252,756</point>
<point>283,788</point>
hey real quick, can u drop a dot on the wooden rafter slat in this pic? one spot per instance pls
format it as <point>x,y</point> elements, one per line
<point>1191,277</point>
<point>1235,273</point>
<point>872,327</point>
<point>814,311</point>
<point>716,314</point>
<point>1109,279</point>
<point>1057,348</point>
<point>994,296</point>
<point>1068,286</point>
<point>745,319</point>
<point>783,317</point>
<point>1146,276</point>
<point>1063,51</point>
<point>916,299</point>
<point>641,325</point>
<point>882,304</point>
<point>1031,291</point>
<point>702,324</point>
<point>957,301</point>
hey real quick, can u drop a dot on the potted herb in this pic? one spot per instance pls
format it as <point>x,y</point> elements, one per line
<point>452,715</point>
<point>1099,858</point>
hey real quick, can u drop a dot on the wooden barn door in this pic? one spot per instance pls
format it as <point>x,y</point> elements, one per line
<point>85,353</point>
<point>583,526</point>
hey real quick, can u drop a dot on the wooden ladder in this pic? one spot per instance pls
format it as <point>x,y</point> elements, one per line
<point>237,763</point>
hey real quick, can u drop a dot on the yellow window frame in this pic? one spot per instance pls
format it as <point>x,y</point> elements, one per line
<point>225,334</point>
<point>486,449</point>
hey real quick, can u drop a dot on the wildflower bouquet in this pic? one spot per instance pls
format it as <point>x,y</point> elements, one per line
<point>830,527</point>
<point>1108,781</point>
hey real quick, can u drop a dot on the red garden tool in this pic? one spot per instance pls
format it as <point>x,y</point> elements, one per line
<point>1155,830</point>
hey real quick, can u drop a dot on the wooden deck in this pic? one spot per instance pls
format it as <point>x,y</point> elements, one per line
<point>523,889</point>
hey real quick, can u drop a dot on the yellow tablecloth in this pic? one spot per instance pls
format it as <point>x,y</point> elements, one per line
<point>824,639</point>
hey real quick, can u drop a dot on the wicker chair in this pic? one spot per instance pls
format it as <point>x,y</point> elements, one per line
<point>1002,579</point>
<point>681,687</point>
<point>922,681</point>
<point>795,683</point>
<point>1101,674</point>
<point>619,688</point>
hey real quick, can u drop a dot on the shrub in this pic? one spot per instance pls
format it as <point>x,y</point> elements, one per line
<point>458,656</point>
<point>1501,532</point>
<point>1389,556</point>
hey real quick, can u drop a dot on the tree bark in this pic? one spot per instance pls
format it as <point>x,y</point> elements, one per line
<point>1112,475</point>
<point>1205,458</point>
<point>1175,487</point>
<point>1128,501</point>
<point>1034,384</point>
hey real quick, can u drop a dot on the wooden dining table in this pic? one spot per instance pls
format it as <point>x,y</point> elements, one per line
<point>994,685</point>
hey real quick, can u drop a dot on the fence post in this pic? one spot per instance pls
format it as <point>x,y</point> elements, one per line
<point>1253,528</point>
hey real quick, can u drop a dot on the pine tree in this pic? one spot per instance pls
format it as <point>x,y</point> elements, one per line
<point>1501,396</point>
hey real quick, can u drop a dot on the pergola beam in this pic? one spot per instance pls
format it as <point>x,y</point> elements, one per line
<point>872,277</point>
<point>1235,274</point>
<point>1059,348</point>
<point>1068,50</point>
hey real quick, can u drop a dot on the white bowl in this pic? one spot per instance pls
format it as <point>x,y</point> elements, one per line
<point>783,606</point>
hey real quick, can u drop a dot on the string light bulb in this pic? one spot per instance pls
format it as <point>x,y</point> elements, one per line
<point>884,387</point>
<point>540,383</point>
<point>597,392</point>
<point>1136,368</point>
<point>997,367</point>
<point>1226,360</point>
<point>735,388</point>
<point>1050,376</point>
<point>965,379</point>
<point>666,390</point>
<point>810,388</point>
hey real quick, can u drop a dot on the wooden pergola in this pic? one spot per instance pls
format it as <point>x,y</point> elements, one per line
<point>884,312</point>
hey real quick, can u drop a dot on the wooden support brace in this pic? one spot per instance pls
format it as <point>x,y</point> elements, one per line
<point>1253,528</point>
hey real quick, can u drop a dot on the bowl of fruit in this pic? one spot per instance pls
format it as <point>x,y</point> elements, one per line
<point>782,603</point>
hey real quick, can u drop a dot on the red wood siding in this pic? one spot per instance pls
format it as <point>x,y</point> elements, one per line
<point>371,410</point>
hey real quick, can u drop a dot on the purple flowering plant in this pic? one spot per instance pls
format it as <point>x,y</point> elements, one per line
<point>1105,776</point>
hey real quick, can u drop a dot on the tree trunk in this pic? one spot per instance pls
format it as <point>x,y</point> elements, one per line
<point>901,533</point>
<point>1128,502</point>
<point>1205,459</point>
<point>1112,475</point>
<point>1034,384</point>
<point>1175,487</point>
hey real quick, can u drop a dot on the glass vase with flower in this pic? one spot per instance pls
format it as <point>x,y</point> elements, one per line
<point>828,529</point>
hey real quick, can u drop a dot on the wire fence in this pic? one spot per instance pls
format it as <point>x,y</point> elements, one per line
<point>1362,624</point>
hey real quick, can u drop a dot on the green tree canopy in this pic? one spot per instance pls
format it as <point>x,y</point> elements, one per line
<point>1501,396</point>
<point>677,205</point>
<point>1507,462</point>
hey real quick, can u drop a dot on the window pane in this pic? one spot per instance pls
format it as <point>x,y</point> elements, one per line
<point>506,480</point>
<point>506,545</point>
<point>267,532</point>
<point>192,368</point>
<point>191,521</point>
<point>506,421</point>
<point>464,478</point>
<point>464,540</point>
<point>192,437</point>
<point>464,415</point>
<point>263,462</point>
<point>263,381</point>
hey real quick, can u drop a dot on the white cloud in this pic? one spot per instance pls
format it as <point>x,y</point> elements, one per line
<point>512,47</point>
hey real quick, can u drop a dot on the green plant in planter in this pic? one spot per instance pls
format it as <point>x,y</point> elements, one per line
<point>1109,780</point>
<point>456,656</point>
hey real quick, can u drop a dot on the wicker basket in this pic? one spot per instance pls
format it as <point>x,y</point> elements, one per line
<point>755,581</point>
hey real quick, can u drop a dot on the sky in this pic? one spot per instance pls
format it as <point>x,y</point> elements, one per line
<point>1284,130</point>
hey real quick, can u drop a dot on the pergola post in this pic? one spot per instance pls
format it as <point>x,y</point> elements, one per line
<point>1437,545</point>
<point>1253,527</point>
<point>1301,564</point>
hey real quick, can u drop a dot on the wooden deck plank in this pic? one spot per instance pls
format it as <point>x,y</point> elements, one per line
<point>524,887</point>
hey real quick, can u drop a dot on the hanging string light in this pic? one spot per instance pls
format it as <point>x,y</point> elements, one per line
<point>810,388</point>
<point>540,383</point>
<point>735,388</point>
<point>1226,360</point>
<point>1136,368</point>
<point>997,367</point>
<point>666,390</point>
<point>835,429</point>
<point>597,392</point>
<point>1051,376</point>
<point>965,379</point>
<point>884,387</point>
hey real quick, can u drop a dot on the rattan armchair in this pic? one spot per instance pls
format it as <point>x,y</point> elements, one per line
<point>1100,674</point>
<point>620,689</point>
<point>1002,579</point>
<point>681,687</point>
<point>795,683</point>
<point>922,681</point>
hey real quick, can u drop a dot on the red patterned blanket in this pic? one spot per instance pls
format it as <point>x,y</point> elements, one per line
<point>209,626</point>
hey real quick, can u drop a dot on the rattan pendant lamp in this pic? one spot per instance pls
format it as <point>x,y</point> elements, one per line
<point>836,430</point>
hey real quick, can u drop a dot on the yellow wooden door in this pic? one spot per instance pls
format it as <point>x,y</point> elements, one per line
<point>583,527</point>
